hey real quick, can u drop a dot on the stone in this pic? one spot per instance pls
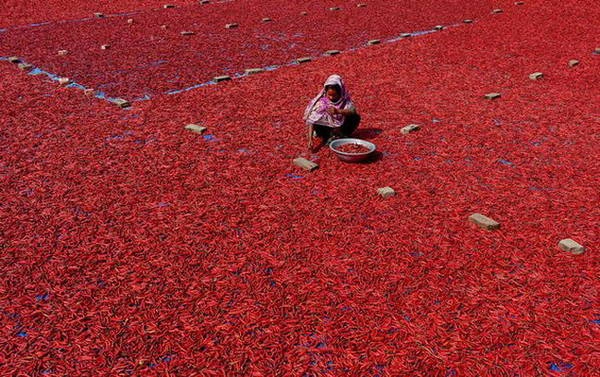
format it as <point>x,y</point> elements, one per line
<point>498,10</point>
<point>361,5</point>
<point>373,42</point>
<point>164,27</point>
<point>168,6</point>
<point>305,59</point>
<point>405,35</point>
<point>573,62</point>
<point>130,20</point>
<point>14,59</point>
<point>266,19</point>
<point>99,15</point>
<point>305,164</point>
<point>304,13</point>
<point>253,71</point>
<point>89,92</point>
<point>195,128</point>
<point>439,27</point>
<point>571,246</point>
<point>231,26</point>
<point>204,1</point>
<point>122,103</point>
<point>105,47</point>
<point>596,51</point>
<point>536,75</point>
<point>221,78</point>
<point>410,128</point>
<point>484,221</point>
<point>63,52</point>
<point>187,32</point>
<point>332,52</point>
<point>64,81</point>
<point>334,8</point>
<point>492,95</point>
<point>25,66</point>
<point>386,192</point>
<point>468,21</point>
<point>519,2</point>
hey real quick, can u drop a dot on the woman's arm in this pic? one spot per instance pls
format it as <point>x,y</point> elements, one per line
<point>344,112</point>
<point>310,138</point>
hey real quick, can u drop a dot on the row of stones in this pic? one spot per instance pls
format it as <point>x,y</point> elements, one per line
<point>249,71</point>
<point>477,218</point>
<point>539,75</point>
<point>267,19</point>
<point>122,103</point>
<point>166,6</point>
<point>306,59</point>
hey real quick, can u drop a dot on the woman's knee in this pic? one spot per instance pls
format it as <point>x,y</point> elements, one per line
<point>350,124</point>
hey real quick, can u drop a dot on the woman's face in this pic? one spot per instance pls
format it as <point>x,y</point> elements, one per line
<point>333,94</point>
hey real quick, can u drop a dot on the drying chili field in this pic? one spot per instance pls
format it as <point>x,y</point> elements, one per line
<point>132,246</point>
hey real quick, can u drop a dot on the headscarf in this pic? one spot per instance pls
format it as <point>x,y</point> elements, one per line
<point>316,111</point>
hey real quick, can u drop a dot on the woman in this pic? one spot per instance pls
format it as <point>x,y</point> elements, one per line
<point>331,113</point>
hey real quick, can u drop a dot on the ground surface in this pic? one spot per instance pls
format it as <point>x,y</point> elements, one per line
<point>131,246</point>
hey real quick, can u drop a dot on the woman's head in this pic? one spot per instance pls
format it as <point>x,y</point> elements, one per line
<point>333,92</point>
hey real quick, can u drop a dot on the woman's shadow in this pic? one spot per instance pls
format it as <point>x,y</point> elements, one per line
<point>367,133</point>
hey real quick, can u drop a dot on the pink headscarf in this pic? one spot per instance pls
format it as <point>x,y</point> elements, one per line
<point>316,111</point>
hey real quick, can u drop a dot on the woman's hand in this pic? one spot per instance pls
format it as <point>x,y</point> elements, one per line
<point>333,110</point>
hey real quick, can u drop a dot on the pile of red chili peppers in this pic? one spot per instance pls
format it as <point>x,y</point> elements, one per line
<point>131,246</point>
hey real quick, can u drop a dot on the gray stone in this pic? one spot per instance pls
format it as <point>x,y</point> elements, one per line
<point>64,81</point>
<point>305,59</point>
<point>484,221</point>
<point>221,78</point>
<point>410,128</point>
<point>231,26</point>
<point>536,75</point>
<point>195,128</point>
<point>573,62</point>
<point>386,192</point>
<point>25,66</point>
<point>168,6</point>
<point>405,35</point>
<point>14,59</point>
<point>253,71</point>
<point>332,52</point>
<point>571,246</point>
<point>122,103</point>
<point>468,21</point>
<point>305,164</point>
<point>373,42</point>
<point>492,95</point>
<point>187,32</point>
